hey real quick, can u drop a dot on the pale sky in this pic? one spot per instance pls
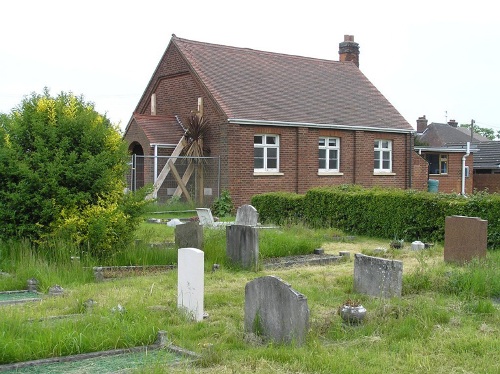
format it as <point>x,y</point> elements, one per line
<point>435,58</point>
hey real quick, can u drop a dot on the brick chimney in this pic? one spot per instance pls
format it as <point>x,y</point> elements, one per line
<point>452,123</point>
<point>421,124</point>
<point>349,50</point>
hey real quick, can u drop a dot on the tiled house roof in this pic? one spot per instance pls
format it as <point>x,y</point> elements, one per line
<point>264,87</point>
<point>440,134</point>
<point>488,155</point>
<point>154,128</point>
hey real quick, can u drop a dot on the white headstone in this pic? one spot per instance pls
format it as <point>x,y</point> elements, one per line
<point>190,282</point>
<point>417,245</point>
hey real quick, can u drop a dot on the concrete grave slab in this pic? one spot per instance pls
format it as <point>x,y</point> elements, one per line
<point>276,311</point>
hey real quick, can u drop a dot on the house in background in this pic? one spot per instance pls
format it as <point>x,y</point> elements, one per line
<point>277,122</point>
<point>451,160</point>
<point>487,166</point>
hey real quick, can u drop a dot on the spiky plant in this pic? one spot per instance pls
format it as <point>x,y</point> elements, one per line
<point>197,128</point>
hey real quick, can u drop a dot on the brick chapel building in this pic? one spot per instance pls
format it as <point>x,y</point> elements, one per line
<point>277,122</point>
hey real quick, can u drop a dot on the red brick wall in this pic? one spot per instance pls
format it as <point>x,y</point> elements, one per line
<point>452,182</point>
<point>299,161</point>
<point>420,172</point>
<point>489,182</point>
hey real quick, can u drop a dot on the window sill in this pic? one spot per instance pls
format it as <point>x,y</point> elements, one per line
<point>266,173</point>
<point>382,173</point>
<point>329,173</point>
<point>439,175</point>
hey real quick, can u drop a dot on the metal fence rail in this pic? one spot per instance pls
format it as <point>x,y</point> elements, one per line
<point>144,170</point>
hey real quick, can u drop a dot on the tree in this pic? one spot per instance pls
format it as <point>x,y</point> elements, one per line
<point>61,162</point>
<point>484,131</point>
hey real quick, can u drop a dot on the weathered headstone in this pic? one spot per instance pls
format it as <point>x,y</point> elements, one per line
<point>465,238</point>
<point>242,246</point>
<point>276,311</point>
<point>376,276</point>
<point>247,215</point>
<point>189,235</point>
<point>205,216</point>
<point>190,282</point>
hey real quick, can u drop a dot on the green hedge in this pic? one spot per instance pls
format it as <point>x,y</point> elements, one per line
<point>386,213</point>
<point>279,207</point>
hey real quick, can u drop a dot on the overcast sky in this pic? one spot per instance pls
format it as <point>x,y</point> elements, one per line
<point>435,58</point>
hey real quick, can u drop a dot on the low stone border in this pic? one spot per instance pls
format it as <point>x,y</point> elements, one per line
<point>19,301</point>
<point>314,259</point>
<point>102,273</point>
<point>161,342</point>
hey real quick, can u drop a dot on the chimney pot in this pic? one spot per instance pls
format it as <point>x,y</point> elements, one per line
<point>421,124</point>
<point>349,50</point>
<point>452,123</point>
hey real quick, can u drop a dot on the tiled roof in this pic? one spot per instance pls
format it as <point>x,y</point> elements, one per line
<point>440,134</point>
<point>263,86</point>
<point>488,155</point>
<point>159,129</point>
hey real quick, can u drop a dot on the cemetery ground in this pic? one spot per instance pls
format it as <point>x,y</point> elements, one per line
<point>446,321</point>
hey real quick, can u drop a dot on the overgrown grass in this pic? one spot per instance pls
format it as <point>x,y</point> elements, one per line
<point>441,325</point>
<point>447,319</point>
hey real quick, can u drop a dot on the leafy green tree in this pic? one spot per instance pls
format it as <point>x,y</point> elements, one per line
<point>484,131</point>
<point>62,166</point>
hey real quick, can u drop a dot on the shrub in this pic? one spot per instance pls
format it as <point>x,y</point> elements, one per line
<point>279,207</point>
<point>223,205</point>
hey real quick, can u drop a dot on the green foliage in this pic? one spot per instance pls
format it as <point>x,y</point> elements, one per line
<point>223,205</point>
<point>484,131</point>
<point>279,207</point>
<point>62,166</point>
<point>377,212</point>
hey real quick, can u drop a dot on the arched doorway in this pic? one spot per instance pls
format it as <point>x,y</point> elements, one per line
<point>137,174</point>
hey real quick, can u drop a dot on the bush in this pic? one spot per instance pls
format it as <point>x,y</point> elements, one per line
<point>56,153</point>
<point>223,205</point>
<point>279,207</point>
<point>377,212</point>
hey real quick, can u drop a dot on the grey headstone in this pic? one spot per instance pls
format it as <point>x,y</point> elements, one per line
<point>242,246</point>
<point>377,276</point>
<point>189,235</point>
<point>276,311</point>
<point>205,216</point>
<point>247,215</point>
<point>465,238</point>
<point>32,285</point>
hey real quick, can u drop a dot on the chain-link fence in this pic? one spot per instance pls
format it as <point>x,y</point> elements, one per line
<point>195,179</point>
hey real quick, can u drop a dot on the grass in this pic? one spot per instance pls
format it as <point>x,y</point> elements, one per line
<point>447,320</point>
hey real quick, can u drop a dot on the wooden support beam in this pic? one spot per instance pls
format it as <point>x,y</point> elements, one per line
<point>178,179</point>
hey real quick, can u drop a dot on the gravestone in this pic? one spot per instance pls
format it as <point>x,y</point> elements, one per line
<point>276,311</point>
<point>247,215</point>
<point>189,235</point>
<point>465,238</point>
<point>242,246</point>
<point>205,216</point>
<point>417,245</point>
<point>377,276</point>
<point>190,282</point>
